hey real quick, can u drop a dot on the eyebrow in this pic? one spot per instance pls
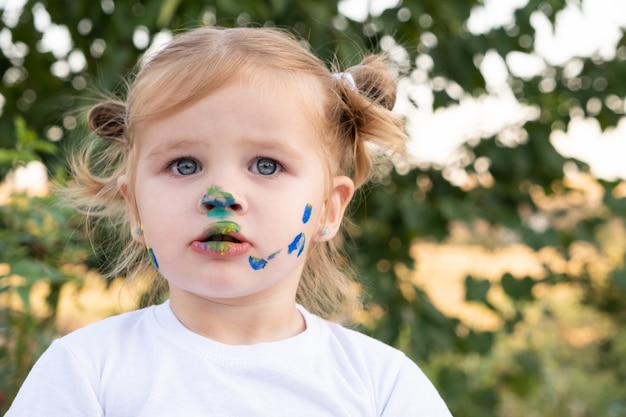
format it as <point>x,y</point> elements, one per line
<point>176,145</point>
<point>265,144</point>
<point>272,145</point>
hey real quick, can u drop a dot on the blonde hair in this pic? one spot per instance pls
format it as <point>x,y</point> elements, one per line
<point>355,122</point>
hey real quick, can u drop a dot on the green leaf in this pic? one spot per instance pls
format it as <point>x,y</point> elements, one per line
<point>33,270</point>
<point>480,342</point>
<point>454,380</point>
<point>618,278</point>
<point>23,291</point>
<point>475,289</point>
<point>518,289</point>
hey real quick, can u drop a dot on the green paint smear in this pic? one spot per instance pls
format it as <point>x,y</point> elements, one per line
<point>218,197</point>
<point>219,247</point>
<point>223,228</point>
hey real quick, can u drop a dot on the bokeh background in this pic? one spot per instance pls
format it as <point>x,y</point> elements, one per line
<point>493,256</point>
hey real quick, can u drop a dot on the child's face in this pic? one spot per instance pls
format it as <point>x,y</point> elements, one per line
<point>232,192</point>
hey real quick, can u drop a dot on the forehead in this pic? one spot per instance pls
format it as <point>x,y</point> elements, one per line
<point>248,110</point>
<point>156,100</point>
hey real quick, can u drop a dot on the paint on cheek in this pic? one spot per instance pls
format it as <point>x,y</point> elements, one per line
<point>152,257</point>
<point>307,213</point>
<point>296,245</point>
<point>257,263</point>
<point>273,255</point>
<point>260,263</point>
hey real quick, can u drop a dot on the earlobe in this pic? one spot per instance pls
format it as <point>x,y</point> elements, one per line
<point>340,196</point>
<point>122,184</point>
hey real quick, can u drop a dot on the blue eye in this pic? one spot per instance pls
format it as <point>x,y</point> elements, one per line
<point>265,166</point>
<point>184,166</point>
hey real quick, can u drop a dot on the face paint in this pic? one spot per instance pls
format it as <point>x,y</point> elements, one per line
<point>152,257</point>
<point>273,255</point>
<point>257,263</point>
<point>215,238</point>
<point>217,201</point>
<point>223,228</point>
<point>216,247</point>
<point>260,263</point>
<point>307,213</point>
<point>296,245</point>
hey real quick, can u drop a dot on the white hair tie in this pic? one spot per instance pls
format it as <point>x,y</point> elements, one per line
<point>347,78</point>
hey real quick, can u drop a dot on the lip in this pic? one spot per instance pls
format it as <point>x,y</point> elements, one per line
<point>221,249</point>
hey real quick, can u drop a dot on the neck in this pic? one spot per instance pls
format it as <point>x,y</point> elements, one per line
<point>234,323</point>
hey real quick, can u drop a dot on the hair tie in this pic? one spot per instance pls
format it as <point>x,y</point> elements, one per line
<point>347,78</point>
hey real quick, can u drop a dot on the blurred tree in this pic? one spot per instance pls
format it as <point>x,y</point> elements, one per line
<point>506,182</point>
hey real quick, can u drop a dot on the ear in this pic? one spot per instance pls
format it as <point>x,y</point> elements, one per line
<point>340,196</point>
<point>135,221</point>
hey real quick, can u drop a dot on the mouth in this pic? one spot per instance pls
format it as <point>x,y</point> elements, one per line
<point>221,238</point>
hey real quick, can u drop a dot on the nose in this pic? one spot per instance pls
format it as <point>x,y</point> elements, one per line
<point>219,203</point>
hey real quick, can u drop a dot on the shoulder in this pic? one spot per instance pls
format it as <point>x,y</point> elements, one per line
<point>119,323</point>
<point>397,381</point>
<point>68,376</point>
<point>110,334</point>
<point>383,363</point>
<point>357,344</point>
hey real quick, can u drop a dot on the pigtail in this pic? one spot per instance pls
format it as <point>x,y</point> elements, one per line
<point>108,120</point>
<point>97,163</point>
<point>370,134</point>
<point>97,166</point>
<point>373,80</point>
<point>365,137</point>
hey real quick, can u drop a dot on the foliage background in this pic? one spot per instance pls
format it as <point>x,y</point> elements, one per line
<point>556,339</point>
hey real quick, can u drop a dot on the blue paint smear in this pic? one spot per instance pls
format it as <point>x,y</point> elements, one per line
<point>307,213</point>
<point>273,255</point>
<point>153,257</point>
<point>257,263</point>
<point>296,245</point>
<point>218,202</point>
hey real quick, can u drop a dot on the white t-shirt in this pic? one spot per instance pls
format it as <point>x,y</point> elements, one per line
<point>146,363</point>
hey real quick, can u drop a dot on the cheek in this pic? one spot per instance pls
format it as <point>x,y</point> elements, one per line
<point>295,246</point>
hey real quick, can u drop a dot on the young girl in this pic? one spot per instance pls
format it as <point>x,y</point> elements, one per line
<point>231,163</point>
